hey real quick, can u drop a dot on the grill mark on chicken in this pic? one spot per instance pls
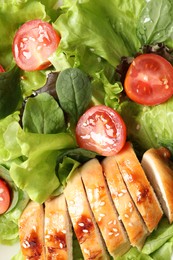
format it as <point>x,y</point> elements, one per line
<point>130,217</point>
<point>139,187</point>
<point>57,229</point>
<point>31,231</point>
<point>83,221</point>
<point>59,241</point>
<point>103,208</point>
<point>84,227</point>
<point>95,256</point>
<point>32,243</point>
<point>130,176</point>
<point>144,194</point>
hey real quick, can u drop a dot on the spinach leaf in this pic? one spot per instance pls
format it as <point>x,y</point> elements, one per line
<point>10,92</point>
<point>74,92</point>
<point>43,115</point>
<point>156,21</point>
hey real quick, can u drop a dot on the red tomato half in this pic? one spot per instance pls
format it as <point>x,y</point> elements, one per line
<point>149,80</point>
<point>4,196</point>
<point>33,44</point>
<point>102,130</point>
<point>1,69</point>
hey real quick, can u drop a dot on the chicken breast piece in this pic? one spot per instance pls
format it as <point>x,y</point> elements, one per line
<point>84,225</point>
<point>58,230</point>
<point>133,223</point>
<point>139,187</point>
<point>160,174</point>
<point>31,231</point>
<point>103,208</point>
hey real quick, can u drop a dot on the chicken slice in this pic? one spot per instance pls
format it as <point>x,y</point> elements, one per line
<point>133,223</point>
<point>159,171</point>
<point>84,225</point>
<point>31,231</point>
<point>58,230</point>
<point>103,208</point>
<point>139,187</point>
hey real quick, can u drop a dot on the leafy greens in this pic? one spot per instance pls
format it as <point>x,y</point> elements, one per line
<point>95,35</point>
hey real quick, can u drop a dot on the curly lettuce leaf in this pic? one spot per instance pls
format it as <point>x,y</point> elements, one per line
<point>158,237</point>
<point>110,30</point>
<point>35,171</point>
<point>6,139</point>
<point>148,126</point>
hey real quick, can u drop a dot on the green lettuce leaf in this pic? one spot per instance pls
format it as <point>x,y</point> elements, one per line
<point>134,254</point>
<point>164,251</point>
<point>159,237</point>
<point>31,81</point>
<point>158,245</point>
<point>110,30</point>
<point>18,256</point>
<point>66,168</point>
<point>148,126</point>
<point>6,140</point>
<point>35,172</point>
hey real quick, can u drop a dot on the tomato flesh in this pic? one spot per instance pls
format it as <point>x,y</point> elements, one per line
<point>33,44</point>
<point>149,80</point>
<point>101,129</point>
<point>4,196</point>
<point>1,69</point>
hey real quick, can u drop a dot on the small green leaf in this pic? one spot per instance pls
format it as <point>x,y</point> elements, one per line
<point>74,92</point>
<point>43,115</point>
<point>10,92</point>
<point>66,168</point>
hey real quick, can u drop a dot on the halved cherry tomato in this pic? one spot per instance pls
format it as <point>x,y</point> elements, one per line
<point>1,69</point>
<point>101,129</point>
<point>149,80</point>
<point>33,44</point>
<point>4,196</point>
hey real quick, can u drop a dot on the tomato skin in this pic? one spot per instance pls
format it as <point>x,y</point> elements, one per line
<point>4,196</point>
<point>149,80</point>
<point>102,130</point>
<point>1,69</point>
<point>33,44</point>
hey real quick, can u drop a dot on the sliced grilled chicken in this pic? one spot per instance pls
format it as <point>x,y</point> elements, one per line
<point>103,208</point>
<point>31,232</point>
<point>133,223</point>
<point>84,225</point>
<point>58,230</point>
<point>159,171</point>
<point>139,187</point>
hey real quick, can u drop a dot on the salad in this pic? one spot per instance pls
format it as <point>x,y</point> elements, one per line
<point>41,102</point>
